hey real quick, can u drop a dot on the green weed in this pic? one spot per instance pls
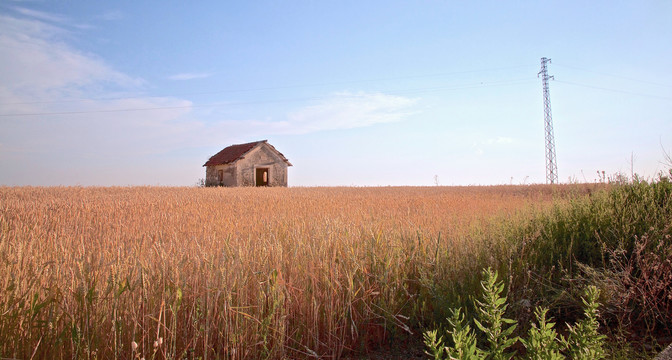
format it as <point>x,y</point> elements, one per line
<point>543,342</point>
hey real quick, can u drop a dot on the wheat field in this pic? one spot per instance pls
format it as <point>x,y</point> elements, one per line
<point>246,273</point>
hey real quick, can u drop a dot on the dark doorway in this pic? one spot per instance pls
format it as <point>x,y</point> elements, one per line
<point>262,177</point>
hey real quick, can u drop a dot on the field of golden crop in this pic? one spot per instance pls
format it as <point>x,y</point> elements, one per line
<point>175,273</point>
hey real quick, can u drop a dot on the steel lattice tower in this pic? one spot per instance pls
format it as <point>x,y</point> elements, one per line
<point>551,165</point>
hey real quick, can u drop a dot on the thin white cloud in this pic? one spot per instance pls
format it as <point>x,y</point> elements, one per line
<point>39,64</point>
<point>344,110</point>
<point>349,110</point>
<point>478,146</point>
<point>112,15</point>
<point>190,76</point>
<point>500,140</point>
<point>40,72</point>
<point>339,111</point>
<point>54,19</point>
<point>41,15</point>
<point>478,150</point>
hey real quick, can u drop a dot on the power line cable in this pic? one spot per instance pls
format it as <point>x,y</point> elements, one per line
<point>268,88</point>
<point>614,75</point>
<point>403,92</point>
<point>613,90</point>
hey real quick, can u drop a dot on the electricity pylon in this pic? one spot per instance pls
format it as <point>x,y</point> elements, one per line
<point>551,165</point>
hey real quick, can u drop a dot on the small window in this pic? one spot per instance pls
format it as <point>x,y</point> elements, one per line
<point>220,175</point>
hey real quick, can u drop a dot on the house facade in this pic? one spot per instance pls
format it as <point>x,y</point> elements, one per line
<point>252,164</point>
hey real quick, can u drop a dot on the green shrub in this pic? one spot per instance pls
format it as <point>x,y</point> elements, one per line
<point>543,342</point>
<point>618,239</point>
<point>492,321</point>
<point>584,342</point>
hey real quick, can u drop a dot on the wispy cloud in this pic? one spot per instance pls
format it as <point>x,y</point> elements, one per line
<point>42,73</point>
<point>340,111</point>
<point>190,76</point>
<point>112,15</point>
<point>478,146</point>
<point>42,66</point>
<point>344,110</point>
<point>347,110</point>
<point>51,18</point>
<point>500,140</point>
<point>41,15</point>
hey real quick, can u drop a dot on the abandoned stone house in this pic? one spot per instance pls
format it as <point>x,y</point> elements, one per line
<point>253,164</point>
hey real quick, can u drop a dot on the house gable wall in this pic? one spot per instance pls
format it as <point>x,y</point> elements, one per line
<point>261,157</point>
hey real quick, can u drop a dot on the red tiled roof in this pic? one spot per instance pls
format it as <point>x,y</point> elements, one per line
<point>235,152</point>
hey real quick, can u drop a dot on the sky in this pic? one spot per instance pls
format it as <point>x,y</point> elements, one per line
<point>353,93</point>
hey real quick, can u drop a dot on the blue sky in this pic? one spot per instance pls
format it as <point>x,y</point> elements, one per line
<point>352,92</point>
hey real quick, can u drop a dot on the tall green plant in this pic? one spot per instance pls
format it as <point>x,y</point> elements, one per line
<point>543,342</point>
<point>464,340</point>
<point>584,342</point>
<point>491,320</point>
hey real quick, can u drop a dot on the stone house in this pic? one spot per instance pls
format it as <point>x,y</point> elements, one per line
<point>253,164</point>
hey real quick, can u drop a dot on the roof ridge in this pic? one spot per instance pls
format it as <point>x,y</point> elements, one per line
<point>235,152</point>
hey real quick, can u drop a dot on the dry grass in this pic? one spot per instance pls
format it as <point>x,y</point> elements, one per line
<point>233,273</point>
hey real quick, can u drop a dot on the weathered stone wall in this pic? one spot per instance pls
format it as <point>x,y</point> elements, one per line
<point>242,172</point>
<point>229,175</point>
<point>262,157</point>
